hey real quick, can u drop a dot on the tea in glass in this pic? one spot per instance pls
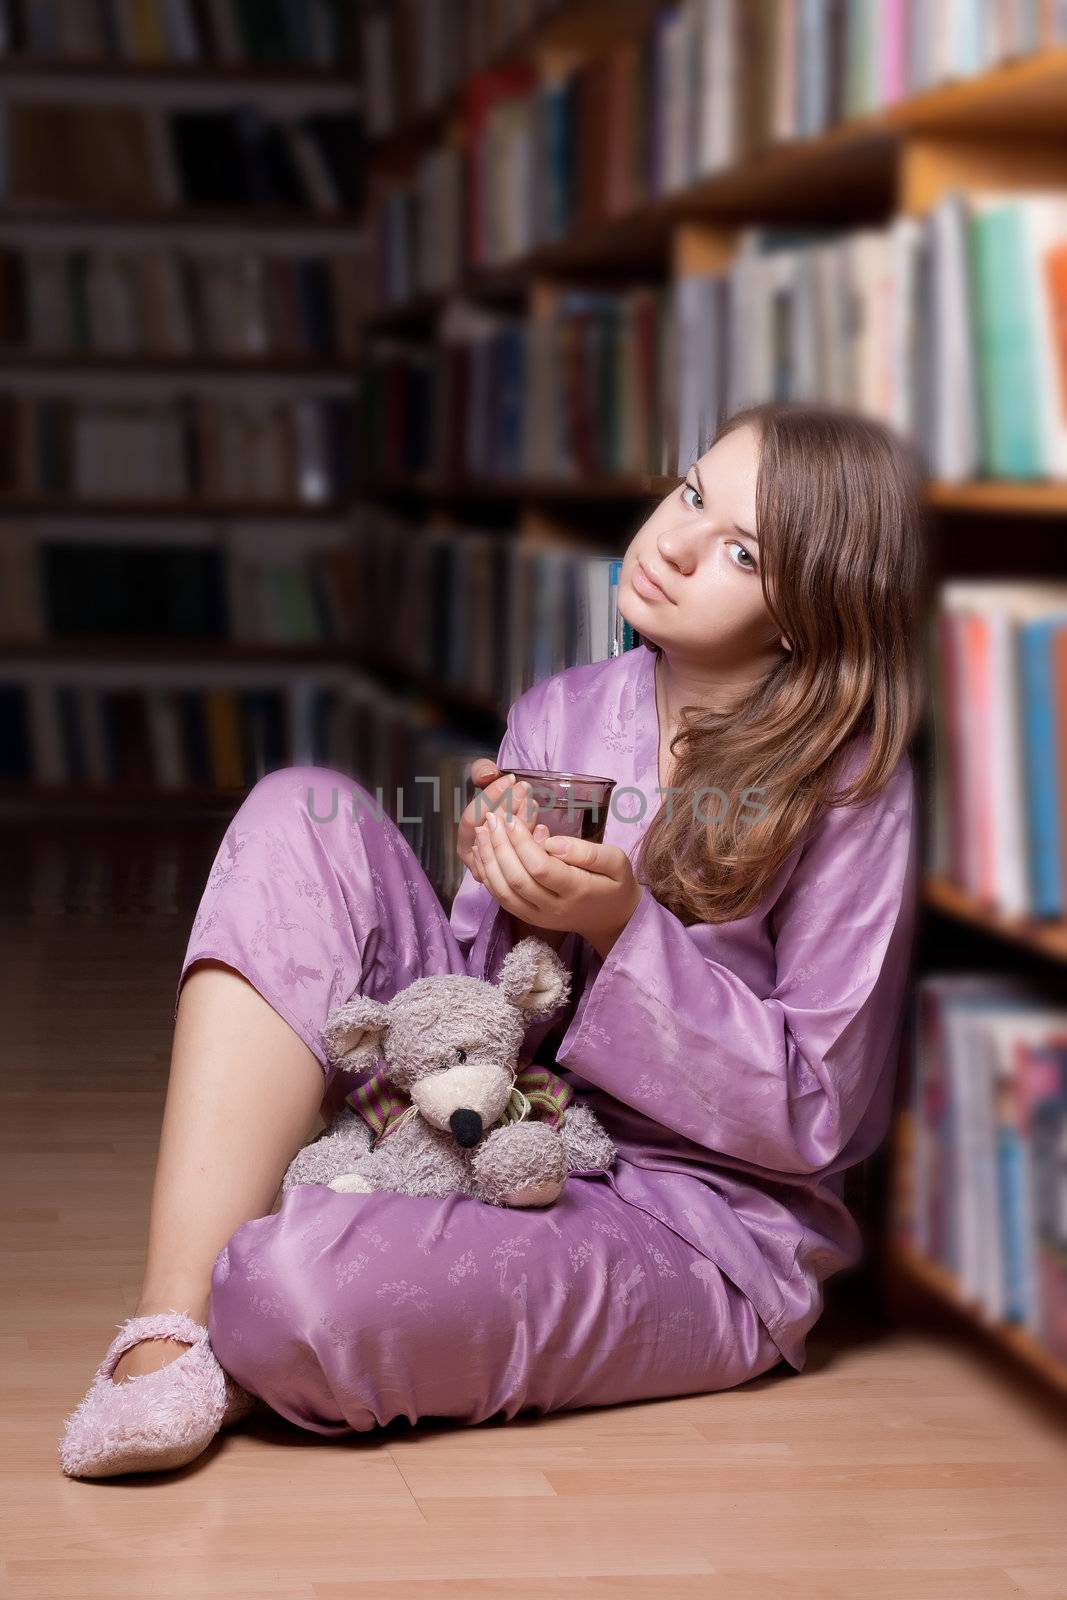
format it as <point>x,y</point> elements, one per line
<point>571,803</point>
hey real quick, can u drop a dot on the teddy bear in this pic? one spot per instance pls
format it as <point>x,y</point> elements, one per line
<point>452,1108</point>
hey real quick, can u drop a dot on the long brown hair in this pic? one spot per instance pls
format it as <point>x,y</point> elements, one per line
<point>843,570</point>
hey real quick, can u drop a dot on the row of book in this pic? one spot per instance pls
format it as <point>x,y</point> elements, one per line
<point>706,79</point>
<point>210,446</point>
<point>484,615</point>
<point>144,301</point>
<point>138,158</point>
<point>239,582</point>
<point>736,75</point>
<point>148,727</point>
<point>381,739</point>
<point>314,33</point>
<point>415,229</point>
<point>710,82</point>
<point>998,796</point>
<point>147,730</point>
<point>416,53</point>
<point>399,739</point>
<point>983,1147</point>
<point>948,327</point>
<point>582,390</point>
<point>156,872</point>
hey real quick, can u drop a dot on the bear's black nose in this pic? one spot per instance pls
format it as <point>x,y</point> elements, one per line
<point>466,1127</point>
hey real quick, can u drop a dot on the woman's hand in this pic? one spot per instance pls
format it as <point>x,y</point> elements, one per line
<point>557,882</point>
<point>486,775</point>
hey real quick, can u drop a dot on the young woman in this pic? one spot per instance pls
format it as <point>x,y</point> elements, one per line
<point>741,944</point>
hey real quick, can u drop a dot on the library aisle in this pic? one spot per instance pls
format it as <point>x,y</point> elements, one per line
<point>347,344</point>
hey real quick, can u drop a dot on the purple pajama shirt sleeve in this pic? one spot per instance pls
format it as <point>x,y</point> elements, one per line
<point>783,1081</point>
<point>484,931</point>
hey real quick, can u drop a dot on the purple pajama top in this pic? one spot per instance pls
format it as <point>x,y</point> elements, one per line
<point>740,1067</point>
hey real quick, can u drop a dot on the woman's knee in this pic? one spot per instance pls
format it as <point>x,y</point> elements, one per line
<point>313,789</point>
<point>331,1342</point>
<point>320,796</point>
<point>305,801</point>
<point>271,1273</point>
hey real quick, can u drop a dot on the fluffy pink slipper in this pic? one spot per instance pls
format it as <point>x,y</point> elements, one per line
<point>158,1420</point>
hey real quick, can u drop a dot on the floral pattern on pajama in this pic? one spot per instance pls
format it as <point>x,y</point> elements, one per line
<point>741,1069</point>
<point>342,1311</point>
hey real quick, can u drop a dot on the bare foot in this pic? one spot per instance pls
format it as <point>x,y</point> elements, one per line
<point>148,1356</point>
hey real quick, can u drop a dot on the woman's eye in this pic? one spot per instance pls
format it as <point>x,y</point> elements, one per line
<point>690,488</point>
<point>747,564</point>
<point>461,1055</point>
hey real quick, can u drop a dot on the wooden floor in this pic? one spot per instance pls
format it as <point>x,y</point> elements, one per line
<point>901,1464</point>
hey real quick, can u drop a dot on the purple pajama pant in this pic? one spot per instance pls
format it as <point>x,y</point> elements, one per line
<point>344,1311</point>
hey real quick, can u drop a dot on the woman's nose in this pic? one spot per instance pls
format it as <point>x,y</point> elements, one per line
<point>676,555</point>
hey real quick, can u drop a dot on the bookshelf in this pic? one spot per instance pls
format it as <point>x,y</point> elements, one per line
<point>194,253</point>
<point>1047,939</point>
<point>918,1273</point>
<point>851,170</point>
<point>996,129</point>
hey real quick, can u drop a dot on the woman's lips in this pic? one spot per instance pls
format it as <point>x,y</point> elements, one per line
<point>646,585</point>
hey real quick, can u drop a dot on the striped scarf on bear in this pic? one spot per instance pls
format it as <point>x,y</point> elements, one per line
<point>537,1092</point>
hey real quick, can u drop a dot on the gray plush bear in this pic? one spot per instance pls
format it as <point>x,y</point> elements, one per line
<point>451,1109</point>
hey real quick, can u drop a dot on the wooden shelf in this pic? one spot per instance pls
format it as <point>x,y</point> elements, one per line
<point>280,218</point>
<point>18,798</point>
<point>993,498</point>
<point>69,506</point>
<point>1046,938</point>
<point>997,497</point>
<point>598,488</point>
<point>14,67</point>
<point>456,700</point>
<point>13,357</point>
<point>1023,97</point>
<point>408,313</point>
<point>154,649</point>
<point>916,1270</point>
<point>1025,499</point>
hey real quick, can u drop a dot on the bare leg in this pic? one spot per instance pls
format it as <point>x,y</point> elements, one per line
<point>242,1097</point>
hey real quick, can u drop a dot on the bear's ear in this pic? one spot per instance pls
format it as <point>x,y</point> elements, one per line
<point>534,978</point>
<point>353,1032</point>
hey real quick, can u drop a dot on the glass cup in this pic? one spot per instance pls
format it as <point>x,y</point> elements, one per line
<point>573,803</point>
